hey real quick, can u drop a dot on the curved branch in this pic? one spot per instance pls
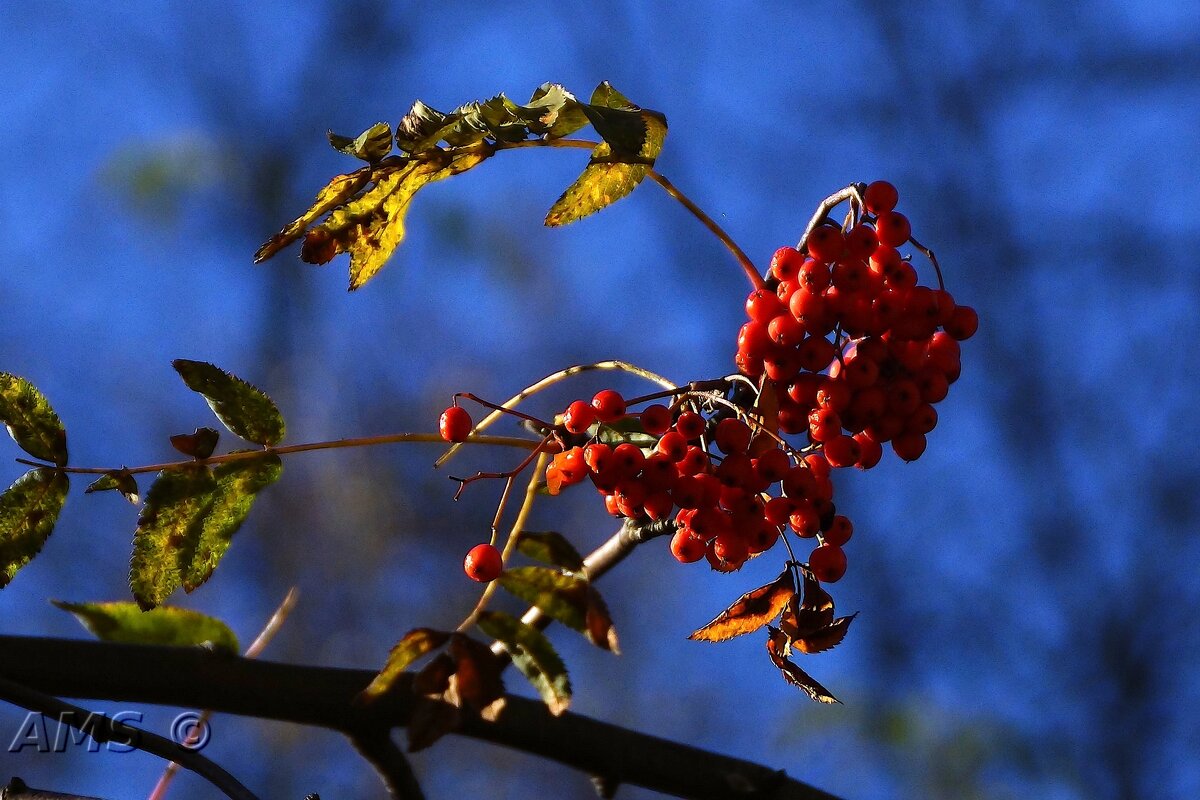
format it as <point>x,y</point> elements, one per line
<point>324,697</point>
<point>377,747</point>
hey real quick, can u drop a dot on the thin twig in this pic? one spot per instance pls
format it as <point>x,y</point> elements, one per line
<point>104,729</point>
<point>853,193</point>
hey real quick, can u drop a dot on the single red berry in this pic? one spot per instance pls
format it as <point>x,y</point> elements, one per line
<point>842,451</point>
<point>785,264</point>
<point>880,197</point>
<point>826,243</point>
<point>656,419</point>
<point>691,425</point>
<point>828,563</point>
<point>870,451</point>
<point>772,465</point>
<point>963,323</point>
<point>455,424</point>
<point>628,459</point>
<point>598,456</point>
<point>804,521</point>
<point>861,241</point>
<point>732,436</point>
<point>893,228</point>
<point>673,445</point>
<point>483,563</point>
<point>762,305</point>
<point>609,405</point>
<point>579,416</point>
<point>694,461</point>
<point>909,446</point>
<point>686,547</point>
<point>839,532</point>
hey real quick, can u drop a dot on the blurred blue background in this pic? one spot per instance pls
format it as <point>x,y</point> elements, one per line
<point>1027,589</point>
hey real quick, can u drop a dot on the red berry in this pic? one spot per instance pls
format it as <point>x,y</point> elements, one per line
<point>762,305</point>
<point>609,405</point>
<point>881,197</point>
<point>673,445</point>
<point>598,456</point>
<point>785,264</point>
<point>909,446</point>
<point>686,547</point>
<point>839,532</point>
<point>578,417</point>
<point>732,436</point>
<point>656,419</point>
<point>861,241</point>
<point>483,563</point>
<point>455,424</point>
<point>893,228</point>
<point>828,563</point>
<point>691,425</point>
<point>842,451</point>
<point>870,451</point>
<point>963,323</point>
<point>826,243</point>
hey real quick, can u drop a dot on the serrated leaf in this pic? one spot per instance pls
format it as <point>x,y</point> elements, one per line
<point>371,145</point>
<point>421,128</point>
<point>805,614</point>
<point>559,595</point>
<point>168,530</point>
<point>169,626</point>
<point>553,112</point>
<point>411,646</point>
<point>533,654</point>
<point>826,638</point>
<point>119,480</point>
<point>31,420</point>
<point>751,611</point>
<point>340,189</point>
<point>607,178</point>
<point>237,485</point>
<point>550,547</point>
<point>28,510</point>
<point>242,408</point>
<point>776,644</point>
<point>198,444</point>
<point>476,681</point>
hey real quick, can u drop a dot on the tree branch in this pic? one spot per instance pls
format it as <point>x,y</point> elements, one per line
<point>193,677</point>
<point>378,748</point>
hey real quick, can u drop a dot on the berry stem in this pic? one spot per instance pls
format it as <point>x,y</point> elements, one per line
<point>933,260</point>
<point>853,193</point>
<point>336,444</point>
<point>549,381</point>
<point>540,450</point>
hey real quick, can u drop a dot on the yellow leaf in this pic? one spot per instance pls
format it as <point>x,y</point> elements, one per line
<point>336,192</point>
<point>750,611</point>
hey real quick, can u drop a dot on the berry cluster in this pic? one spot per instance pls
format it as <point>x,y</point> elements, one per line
<point>857,351</point>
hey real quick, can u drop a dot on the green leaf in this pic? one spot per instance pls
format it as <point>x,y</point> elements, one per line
<point>169,626</point>
<point>336,192</point>
<point>119,480</point>
<point>237,485</point>
<point>31,421</point>
<point>533,654</point>
<point>168,531</point>
<point>198,444</point>
<point>412,646</point>
<point>550,547</point>
<point>28,510</point>
<point>567,598</point>
<point>554,112</point>
<point>371,145</point>
<point>242,408</point>
<point>609,176</point>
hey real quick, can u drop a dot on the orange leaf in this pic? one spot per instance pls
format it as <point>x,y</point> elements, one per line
<point>750,611</point>
<point>826,638</point>
<point>777,643</point>
<point>804,617</point>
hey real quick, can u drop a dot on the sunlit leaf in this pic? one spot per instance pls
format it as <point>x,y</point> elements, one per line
<point>198,444</point>
<point>599,629</point>
<point>609,176</point>
<point>533,654</point>
<point>242,408</point>
<point>550,547</point>
<point>119,480</point>
<point>554,112</point>
<point>237,485</point>
<point>28,510</point>
<point>776,644</point>
<point>751,611</point>
<point>31,421</point>
<point>476,680</point>
<point>421,128</point>
<point>371,145</point>
<point>168,530</point>
<point>809,613</point>
<point>411,646</point>
<point>125,622</point>
<point>336,192</point>
<point>559,595</point>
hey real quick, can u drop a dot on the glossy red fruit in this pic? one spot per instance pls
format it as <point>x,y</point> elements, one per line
<point>909,446</point>
<point>826,243</point>
<point>483,563</point>
<point>656,419</point>
<point>691,425</point>
<point>609,405</point>
<point>881,197</point>
<point>786,262</point>
<point>828,563</point>
<point>892,228</point>
<point>839,531</point>
<point>579,416</point>
<point>732,436</point>
<point>455,424</point>
<point>963,323</point>
<point>686,548</point>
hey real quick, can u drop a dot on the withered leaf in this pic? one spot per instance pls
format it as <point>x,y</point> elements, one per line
<point>567,598</point>
<point>340,189</point>
<point>776,644</point>
<point>434,677</point>
<point>806,615</point>
<point>118,479</point>
<point>750,611</point>
<point>431,720</point>
<point>476,680</point>
<point>411,646</point>
<point>198,444</point>
<point>825,638</point>
<point>600,629</point>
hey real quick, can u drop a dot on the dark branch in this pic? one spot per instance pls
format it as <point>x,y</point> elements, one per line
<point>378,748</point>
<point>192,677</point>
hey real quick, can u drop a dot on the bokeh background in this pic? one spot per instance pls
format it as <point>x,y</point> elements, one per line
<point>1028,589</point>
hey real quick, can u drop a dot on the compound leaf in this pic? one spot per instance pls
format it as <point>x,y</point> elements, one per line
<point>533,654</point>
<point>28,510</point>
<point>168,531</point>
<point>237,485</point>
<point>167,625</point>
<point>559,595</point>
<point>550,547</point>
<point>750,611</point>
<point>242,408</point>
<point>411,646</point>
<point>31,421</point>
